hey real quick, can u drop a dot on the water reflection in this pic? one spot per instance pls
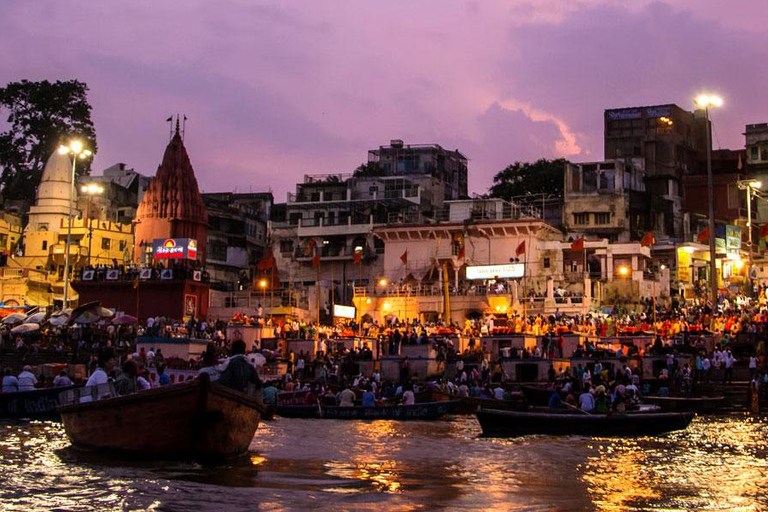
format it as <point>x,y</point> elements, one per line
<point>718,464</point>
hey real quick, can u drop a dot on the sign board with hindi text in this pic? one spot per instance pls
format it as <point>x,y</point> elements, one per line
<point>508,271</point>
<point>174,248</point>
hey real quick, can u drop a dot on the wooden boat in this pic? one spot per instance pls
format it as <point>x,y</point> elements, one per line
<point>497,423</point>
<point>198,418</point>
<point>701,405</point>
<point>422,411</point>
<point>37,404</point>
<point>470,404</point>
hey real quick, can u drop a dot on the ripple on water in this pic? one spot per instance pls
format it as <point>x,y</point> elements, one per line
<point>719,463</point>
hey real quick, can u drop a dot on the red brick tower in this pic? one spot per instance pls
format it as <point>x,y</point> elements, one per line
<point>172,206</point>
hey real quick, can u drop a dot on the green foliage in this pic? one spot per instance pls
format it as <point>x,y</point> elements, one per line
<point>368,169</point>
<point>540,177</point>
<point>41,116</point>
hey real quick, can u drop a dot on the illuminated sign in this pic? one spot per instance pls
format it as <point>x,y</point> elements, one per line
<point>174,248</point>
<point>493,271</point>
<point>343,311</point>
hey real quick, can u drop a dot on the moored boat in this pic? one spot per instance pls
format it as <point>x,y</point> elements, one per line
<point>419,411</point>
<point>701,405</point>
<point>198,418</point>
<point>36,404</point>
<point>496,423</point>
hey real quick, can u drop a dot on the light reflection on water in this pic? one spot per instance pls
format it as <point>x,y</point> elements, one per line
<point>718,464</point>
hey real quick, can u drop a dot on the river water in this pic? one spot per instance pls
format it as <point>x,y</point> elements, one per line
<point>719,463</point>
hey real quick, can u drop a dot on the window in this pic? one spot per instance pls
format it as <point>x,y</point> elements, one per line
<point>121,244</point>
<point>45,245</point>
<point>547,263</point>
<point>43,226</point>
<point>602,218</point>
<point>106,244</point>
<point>752,152</point>
<point>286,246</point>
<point>581,219</point>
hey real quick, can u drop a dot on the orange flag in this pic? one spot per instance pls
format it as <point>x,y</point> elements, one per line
<point>648,240</point>
<point>703,236</point>
<point>316,261</point>
<point>578,245</point>
<point>358,257</point>
<point>404,257</point>
<point>520,249</point>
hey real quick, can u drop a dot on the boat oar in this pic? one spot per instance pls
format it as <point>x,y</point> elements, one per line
<point>574,407</point>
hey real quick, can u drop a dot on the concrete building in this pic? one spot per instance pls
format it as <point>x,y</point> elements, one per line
<point>607,200</point>
<point>124,189</point>
<point>672,141</point>
<point>756,142</point>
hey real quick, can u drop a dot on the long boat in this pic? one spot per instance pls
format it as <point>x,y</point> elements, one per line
<point>36,404</point>
<point>701,405</point>
<point>419,411</point>
<point>198,418</point>
<point>470,404</point>
<point>496,423</point>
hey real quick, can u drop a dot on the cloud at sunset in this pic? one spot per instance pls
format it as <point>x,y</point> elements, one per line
<point>275,91</point>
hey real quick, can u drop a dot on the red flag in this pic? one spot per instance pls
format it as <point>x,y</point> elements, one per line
<point>267,262</point>
<point>308,248</point>
<point>404,257</point>
<point>520,249</point>
<point>648,240</point>
<point>461,254</point>
<point>357,257</point>
<point>316,261</point>
<point>703,236</point>
<point>578,245</point>
<point>764,230</point>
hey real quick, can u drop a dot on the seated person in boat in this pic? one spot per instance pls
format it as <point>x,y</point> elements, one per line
<point>62,380</point>
<point>409,398</point>
<point>555,399</point>
<point>369,398</point>
<point>239,372</point>
<point>587,400</point>
<point>27,379</point>
<point>347,397</point>
<point>10,382</point>
<point>270,394</point>
<point>104,364</point>
<point>126,384</point>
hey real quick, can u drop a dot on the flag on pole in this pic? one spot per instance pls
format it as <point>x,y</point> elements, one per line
<point>404,257</point>
<point>703,236</point>
<point>358,257</point>
<point>267,261</point>
<point>520,249</point>
<point>309,247</point>
<point>316,261</point>
<point>461,254</point>
<point>648,240</point>
<point>578,245</point>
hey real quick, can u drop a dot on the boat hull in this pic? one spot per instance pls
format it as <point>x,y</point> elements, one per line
<point>423,411</point>
<point>37,404</point>
<point>497,423</point>
<point>469,405</point>
<point>193,419</point>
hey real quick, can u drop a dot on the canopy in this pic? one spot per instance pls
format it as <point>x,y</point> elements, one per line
<point>24,328</point>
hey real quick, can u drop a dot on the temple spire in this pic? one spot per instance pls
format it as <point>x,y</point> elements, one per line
<point>177,124</point>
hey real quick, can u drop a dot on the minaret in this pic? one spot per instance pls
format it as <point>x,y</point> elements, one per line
<point>172,206</point>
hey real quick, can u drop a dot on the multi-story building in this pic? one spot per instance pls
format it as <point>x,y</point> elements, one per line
<point>672,141</point>
<point>123,190</point>
<point>607,200</point>
<point>237,237</point>
<point>756,139</point>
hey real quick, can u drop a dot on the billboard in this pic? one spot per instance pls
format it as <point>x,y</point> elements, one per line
<point>174,248</point>
<point>493,271</point>
<point>343,311</point>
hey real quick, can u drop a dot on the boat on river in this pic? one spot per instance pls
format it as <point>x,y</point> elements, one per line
<point>496,423</point>
<point>35,404</point>
<point>470,404</point>
<point>419,411</point>
<point>198,418</point>
<point>701,405</point>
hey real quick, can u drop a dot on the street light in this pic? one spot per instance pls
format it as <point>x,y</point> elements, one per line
<point>91,189</point>
<point>623,270</point>
<point>705,101</point>
<point>263,284</point>
<point>75,149</point>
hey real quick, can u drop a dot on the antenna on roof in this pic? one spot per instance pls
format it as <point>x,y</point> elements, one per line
<point>170,127</point>
<point>183,126</point>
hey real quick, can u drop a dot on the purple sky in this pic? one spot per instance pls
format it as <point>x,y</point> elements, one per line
<point>274,91</point>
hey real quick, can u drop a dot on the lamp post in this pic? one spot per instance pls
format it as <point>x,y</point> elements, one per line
<point>91,189</point>
<point>705,101</point>
<point>263,284</point>
<point>75,149</point>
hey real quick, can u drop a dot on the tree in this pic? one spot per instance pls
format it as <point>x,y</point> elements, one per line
<point>42,115</point>
<point>368,170</point>
<point>541,177</point>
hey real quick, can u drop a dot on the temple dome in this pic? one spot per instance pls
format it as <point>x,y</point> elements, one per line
<point>52,199</point>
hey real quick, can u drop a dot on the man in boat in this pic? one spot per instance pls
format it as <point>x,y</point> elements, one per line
<point>239,372</point>
<point>27,379</point>
<point>126,384</point>
<point>10,382</point>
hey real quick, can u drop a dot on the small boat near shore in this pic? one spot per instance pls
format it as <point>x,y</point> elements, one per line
<point>701,405</point>
<point>198,418</point>
<point>35,404</point>
<point>496,423</point>
<point>419,411</point>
